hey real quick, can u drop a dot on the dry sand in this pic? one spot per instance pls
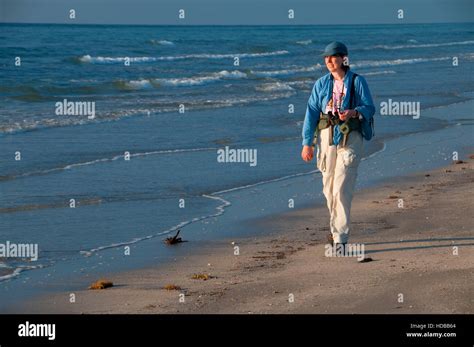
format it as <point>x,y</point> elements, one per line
<point>413,252</point>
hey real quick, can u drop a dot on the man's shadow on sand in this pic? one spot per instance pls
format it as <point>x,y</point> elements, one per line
<point>452,239</point>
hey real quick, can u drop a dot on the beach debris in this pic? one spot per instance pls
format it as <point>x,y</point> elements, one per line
<point>393,197</point>
<point>281,255</point>
<point>172,287</point>
<point>459,162</point>
<point>101,284</point>
<point>366,260</point>
<point>427,175</point>
<point>203,277</point>
<point>447,170</point>
<point>172,240</point>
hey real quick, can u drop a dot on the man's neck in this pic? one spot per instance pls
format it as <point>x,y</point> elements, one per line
<point>338,75</point>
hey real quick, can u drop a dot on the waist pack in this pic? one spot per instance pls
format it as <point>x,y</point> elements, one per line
<point>365,127</point>
<point>326,120</point>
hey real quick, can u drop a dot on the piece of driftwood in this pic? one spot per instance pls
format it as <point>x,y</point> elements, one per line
<point>172,240</point>
<point>101,284</point>
<point>172,287</point>
<point>203,277</point>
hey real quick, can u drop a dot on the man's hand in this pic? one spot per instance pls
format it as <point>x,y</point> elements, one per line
<point>307,153</point>
<point>347,114</point>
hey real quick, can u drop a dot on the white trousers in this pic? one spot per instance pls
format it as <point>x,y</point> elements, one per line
<point>338,166</point>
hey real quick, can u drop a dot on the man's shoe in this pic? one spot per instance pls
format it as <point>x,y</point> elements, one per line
<point>340,249</point>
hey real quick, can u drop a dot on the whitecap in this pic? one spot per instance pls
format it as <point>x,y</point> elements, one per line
<point>291,71</point>
<point>275,86</point>
<point>108,60</point>
<point>139,84</point>
<point>384,72</point>
<point>425,45</point>
<point>372,63</point>
<point>305,42</point>
<point>199,80</point>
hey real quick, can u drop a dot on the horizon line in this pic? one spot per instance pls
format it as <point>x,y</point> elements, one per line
<point>226,25</point>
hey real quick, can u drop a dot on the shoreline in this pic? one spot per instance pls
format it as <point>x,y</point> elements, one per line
<point>288,262</point>
<point>381,167</point>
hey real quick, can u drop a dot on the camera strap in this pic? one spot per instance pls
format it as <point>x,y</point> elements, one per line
<point>352,98</point>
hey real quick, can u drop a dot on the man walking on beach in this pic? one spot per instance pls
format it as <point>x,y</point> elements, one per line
<point>341,109</point>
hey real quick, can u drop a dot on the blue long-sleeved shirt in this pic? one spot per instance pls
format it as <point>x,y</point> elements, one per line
<point>322,93</point>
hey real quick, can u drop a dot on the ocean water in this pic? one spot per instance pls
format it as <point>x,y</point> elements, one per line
<point>173,155</point>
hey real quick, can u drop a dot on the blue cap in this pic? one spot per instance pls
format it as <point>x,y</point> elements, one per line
<point>335,48</point>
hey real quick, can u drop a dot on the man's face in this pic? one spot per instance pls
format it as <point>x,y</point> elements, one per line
<point>333,63</point>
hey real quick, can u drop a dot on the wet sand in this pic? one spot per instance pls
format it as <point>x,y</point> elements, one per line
<point>422,261</point>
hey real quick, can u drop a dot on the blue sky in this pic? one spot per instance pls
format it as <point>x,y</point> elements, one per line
<point>221,12</point>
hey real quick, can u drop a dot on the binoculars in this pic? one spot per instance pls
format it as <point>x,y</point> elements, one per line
<point>345,128</point>
<point>334,117</point>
